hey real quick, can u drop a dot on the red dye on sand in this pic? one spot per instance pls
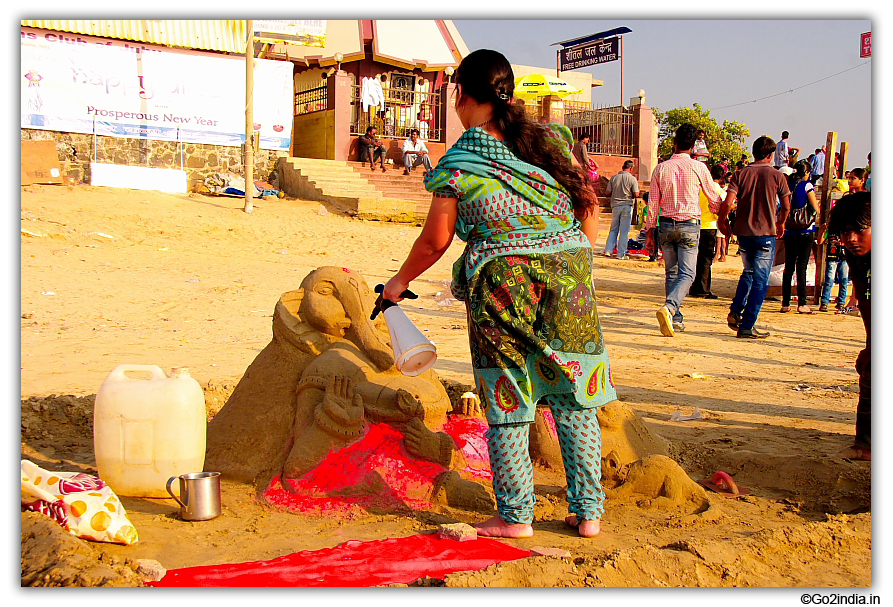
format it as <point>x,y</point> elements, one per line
<point>469,435</point>
<point>353,564</point>
<point>550,421</point>
<point>377,472</point>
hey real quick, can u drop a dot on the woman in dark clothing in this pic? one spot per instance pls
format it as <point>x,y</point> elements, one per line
<point>798,241</point>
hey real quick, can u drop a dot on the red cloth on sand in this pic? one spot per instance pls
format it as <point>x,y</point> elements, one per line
<point>353,564</point>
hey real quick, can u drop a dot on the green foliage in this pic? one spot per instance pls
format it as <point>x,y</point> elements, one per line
<point>726,141</point>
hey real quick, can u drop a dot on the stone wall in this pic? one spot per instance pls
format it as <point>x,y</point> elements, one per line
<point>199,160</point>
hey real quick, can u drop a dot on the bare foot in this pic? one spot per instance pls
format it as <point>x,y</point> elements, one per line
<point>859,453</point>
<point>586,528</point>
<point>496,527</point>
<point>804,310</point>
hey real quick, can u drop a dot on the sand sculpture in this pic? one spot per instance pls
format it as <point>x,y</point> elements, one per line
<point>329,370</point>
<point>655,481</point>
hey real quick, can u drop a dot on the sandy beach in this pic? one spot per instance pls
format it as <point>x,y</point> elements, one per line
<point>113,276</point>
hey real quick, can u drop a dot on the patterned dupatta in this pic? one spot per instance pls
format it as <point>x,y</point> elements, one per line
<point>507,205</point>
<point>477,152</point>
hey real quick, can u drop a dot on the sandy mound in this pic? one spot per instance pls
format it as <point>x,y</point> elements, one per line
<point>53,557</point>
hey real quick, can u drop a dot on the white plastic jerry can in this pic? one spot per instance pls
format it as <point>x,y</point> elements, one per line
<point>147,430</point>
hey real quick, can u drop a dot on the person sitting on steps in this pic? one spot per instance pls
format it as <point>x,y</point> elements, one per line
<point>372,148</point>
<point>415,153</point>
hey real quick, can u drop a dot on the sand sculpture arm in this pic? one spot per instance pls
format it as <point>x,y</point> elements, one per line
<point>437,447</point>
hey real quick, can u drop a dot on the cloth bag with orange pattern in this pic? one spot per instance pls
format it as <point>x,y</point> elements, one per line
<point>84,505</point>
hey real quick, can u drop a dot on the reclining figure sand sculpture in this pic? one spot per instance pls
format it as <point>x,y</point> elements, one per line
<point>328,370</point>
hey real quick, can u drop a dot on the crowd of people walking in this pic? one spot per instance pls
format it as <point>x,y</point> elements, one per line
<point>769,199</point>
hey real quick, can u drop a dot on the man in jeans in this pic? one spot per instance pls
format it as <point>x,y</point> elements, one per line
<point>675,185</point>
<point>817,165</point>
<point>624,190</point>
<point>755,188</point>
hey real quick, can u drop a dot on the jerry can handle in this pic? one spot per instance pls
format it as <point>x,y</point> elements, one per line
<point>118,374</point>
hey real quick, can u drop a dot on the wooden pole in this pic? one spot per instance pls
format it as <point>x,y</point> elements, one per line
<point>558,63</point>
<point>249,118</point>
<point>844,148</point>
<point>824,208</point>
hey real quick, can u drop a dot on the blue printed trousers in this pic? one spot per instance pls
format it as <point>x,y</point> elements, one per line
<point>579,437</point>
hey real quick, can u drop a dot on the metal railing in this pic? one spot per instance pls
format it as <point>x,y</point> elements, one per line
<point>311,97</point>
<point>610,129</point>
<point>402,111</point>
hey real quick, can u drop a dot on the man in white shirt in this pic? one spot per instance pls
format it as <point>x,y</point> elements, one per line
<point>624,190</point>
<point>415,153</point>
<point>783,152</point>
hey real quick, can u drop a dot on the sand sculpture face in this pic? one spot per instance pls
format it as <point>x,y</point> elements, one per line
<point>337,302</point>
<point>322,309</point>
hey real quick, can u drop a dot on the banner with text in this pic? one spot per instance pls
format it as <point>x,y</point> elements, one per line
<point>593,53</point>
<point>83,84</point>
<point>297,33</point>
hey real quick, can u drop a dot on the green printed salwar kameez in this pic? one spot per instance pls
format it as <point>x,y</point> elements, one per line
<point>534,332</point>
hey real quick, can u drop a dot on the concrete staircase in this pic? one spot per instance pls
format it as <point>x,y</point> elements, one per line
<point>368,193</point>
<point>356,190</point>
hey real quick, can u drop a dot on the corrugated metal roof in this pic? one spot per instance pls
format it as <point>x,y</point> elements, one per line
<point>212,35</point>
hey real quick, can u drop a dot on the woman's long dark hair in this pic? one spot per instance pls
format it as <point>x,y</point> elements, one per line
<point>486,76</point>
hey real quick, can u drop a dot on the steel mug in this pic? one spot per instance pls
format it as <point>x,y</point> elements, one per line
<point>199,495</point>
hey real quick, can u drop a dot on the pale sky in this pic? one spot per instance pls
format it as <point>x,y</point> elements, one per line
<point>710,62</point>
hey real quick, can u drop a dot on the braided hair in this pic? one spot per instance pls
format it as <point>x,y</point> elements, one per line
<point>486,76</point>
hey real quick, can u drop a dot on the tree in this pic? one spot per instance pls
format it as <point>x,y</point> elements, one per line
<point>726,141</point>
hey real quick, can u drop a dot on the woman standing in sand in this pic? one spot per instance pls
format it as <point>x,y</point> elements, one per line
<point>798,241</point>
<point>510,190</point>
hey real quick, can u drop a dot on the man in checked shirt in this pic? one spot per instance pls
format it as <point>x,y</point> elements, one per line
<point>675,184</point>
